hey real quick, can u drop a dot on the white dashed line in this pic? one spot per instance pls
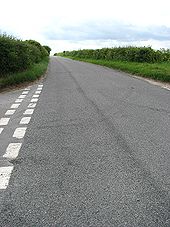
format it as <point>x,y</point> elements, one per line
<point>39,88</point>
<point>25,120</point>
<point>1,129</point>
<point>40,85</point>
<point>27,89</point>
<point>34,100</point>
<point>12,150</point>
<point>25,92</point>
<point>18,100</point>
<point>4,121</point>
<point>19,132</point>
<point>5,173</point>
<point>35,96</point>
<point>10,112</point>
<point>22,96</point>
<point>15,106</point>
<point>38,92</point>
<point>29,111</point>
<point>167,88</point>
<point>32,105</point>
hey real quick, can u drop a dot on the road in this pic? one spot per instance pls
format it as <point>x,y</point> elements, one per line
<point>95,151</point>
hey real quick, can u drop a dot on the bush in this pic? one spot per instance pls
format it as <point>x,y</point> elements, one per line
<point>17,55</point>
<point>42,50</point>
<point>132,54</point>
<point>48,49</point>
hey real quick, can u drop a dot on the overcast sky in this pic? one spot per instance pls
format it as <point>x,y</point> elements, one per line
<point>79,24</point>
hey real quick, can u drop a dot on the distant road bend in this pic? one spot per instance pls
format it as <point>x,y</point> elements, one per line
<point>94,150</point>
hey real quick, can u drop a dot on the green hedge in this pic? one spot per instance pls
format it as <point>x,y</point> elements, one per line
<point>132,54</point>
<point>17,55</point>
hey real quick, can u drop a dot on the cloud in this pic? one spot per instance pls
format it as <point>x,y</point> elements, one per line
<point>106,30</point>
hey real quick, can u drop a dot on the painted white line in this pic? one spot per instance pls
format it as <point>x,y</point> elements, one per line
<point>167,88</point>
<point>32,105</point>
<point>38,92</point>
<point>35,96</point>
<point>25,120</point>
<point>15,106</point>
<point>4,121</point>
<point>22,96</point>
<point>18,100</point>
<point>1,129</point>
<point>28,111</point>
<point>25,92</point>
<point>27,89</point>
<point>5,173</point>
<point>34,100</point>
<point>19,132</point>
<point>39,89</point>
<point>12,150</point>
<point>10,112</point>
<point>40,85</point>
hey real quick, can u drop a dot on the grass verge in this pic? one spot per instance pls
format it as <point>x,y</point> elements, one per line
<point>156,71</point>
<point>33,73</point>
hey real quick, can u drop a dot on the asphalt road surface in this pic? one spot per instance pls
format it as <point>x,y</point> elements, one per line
<point>87,146</point>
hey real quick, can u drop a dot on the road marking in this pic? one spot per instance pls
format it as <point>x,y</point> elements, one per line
<point>12,150</point>
<point>25,120</point>
<point>15,106</point>
<point>32,105</point>
<point>25,92</point>
<point>167,88</point>
<point>35,96</point>
<point>38,92</point>
<point>27,89</point>
<point>19,132</point>
<point>10,112</point>
<point>4,121</point>
<point>34,100</point>
<point>29,111</point>
<point>40,85</point>
<point>5,173</point>
<point>39,88</point>
<point>1,129</point>
<point>22,96</point>
<point>18,100</point>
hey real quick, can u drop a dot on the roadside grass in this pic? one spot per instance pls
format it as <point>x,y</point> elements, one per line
<point>32,73</point>
<point>156,71</point>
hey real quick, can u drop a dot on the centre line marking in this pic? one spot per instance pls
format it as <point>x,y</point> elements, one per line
<point>4,121</point>
<point>19,132</point>
<point>12,150</point>
<point>29,111</point>
<point>5,173</point>
<point>1,129</point>
<point>25,92</point>
<point>32,105</point>
<point>18,100</point>
<point>34,100</point>
<point>15,106</point>
<point>38,92</point>
<point>22,96</point>
<point>35,96</point>
<point>25,120</point>
<point>10,112</point>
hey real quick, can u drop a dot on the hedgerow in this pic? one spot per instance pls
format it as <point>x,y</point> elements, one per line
<point>17,55</point>
<point>131,54</point>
